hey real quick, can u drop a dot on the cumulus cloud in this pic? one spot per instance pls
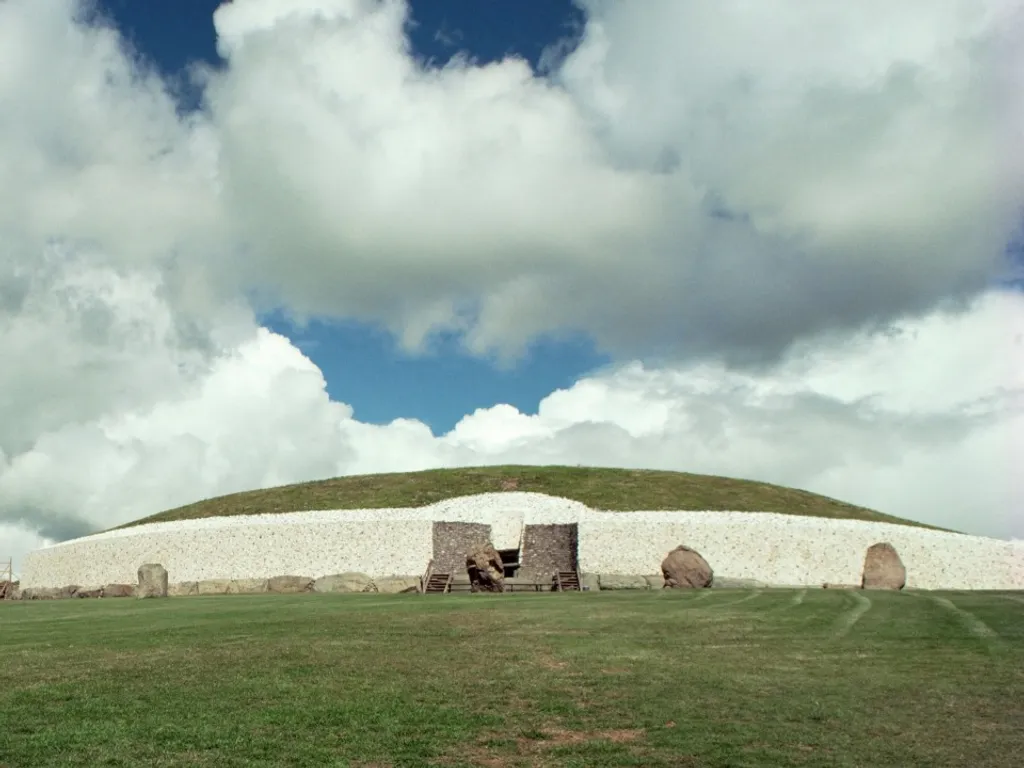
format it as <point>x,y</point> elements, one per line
<point>825,191</point>
<point>422,199</point>
<point>92,147</point>
<point>861,157</point>
<point>715,179</point>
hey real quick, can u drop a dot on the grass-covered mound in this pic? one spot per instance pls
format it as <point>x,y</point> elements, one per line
<point>607,489</point>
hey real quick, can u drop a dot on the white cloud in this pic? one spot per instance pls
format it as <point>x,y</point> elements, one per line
<point>404,194</point>
<point>865,156</point>
<point>864,153</point>
<point>91,146</point>
<point>698,179</point>
<point>695,179</point>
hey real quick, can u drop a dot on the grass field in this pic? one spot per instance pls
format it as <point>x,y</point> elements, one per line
<point>695,678</point>
<point>607,489</point>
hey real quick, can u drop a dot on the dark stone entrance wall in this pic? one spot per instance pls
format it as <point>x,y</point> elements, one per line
<point>548,548</point>
<point>454,541</point>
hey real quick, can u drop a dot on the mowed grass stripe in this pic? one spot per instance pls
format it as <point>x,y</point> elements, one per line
<point>595,679</point>
<point>729,599</point>
<point>794,600</point>
<point>971,623</point>
<point>809,612</point>
<point>991,608</point>
<point>849,617</point>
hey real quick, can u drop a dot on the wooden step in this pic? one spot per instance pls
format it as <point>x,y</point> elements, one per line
<point>568,581</point>
<point>438,583</point>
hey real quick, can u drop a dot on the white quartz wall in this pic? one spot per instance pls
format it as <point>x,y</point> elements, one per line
<point>792,550</point>
<point>314,549</point>
<point>772,548</point>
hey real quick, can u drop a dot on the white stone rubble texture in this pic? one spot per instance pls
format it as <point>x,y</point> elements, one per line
<point>776,549</point>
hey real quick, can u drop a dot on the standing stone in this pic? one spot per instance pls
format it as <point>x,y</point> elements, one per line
<point>152,581</point>
<point>486,570</point>
<point>883,568</point>
<point>685,568</point>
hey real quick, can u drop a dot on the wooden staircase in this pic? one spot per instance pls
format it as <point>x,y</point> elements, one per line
<point>438,584</point>
<point>567,581</point>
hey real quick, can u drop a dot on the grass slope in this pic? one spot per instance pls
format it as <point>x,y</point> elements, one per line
<point>607,489</point>
<point>694,678</point>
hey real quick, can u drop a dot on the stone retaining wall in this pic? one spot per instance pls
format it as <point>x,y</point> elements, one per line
<point>453,542</point>
<point>548,548</point>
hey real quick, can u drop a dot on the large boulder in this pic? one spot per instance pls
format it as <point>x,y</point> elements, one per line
<point>152,581</point>
<point>486,570</point>
<point>622,581</point>
<point>119,590</point>
<point>685,568</point>
<point>883,568</point>
<point>183,589</point>
<point>395,585</point>
<point>344,582</point>
<point>9,590</point>
<point>89,592</point>
<point>289,585</point>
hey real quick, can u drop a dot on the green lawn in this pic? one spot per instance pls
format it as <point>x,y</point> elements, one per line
<point>696,678</point>
<point>599,488</point>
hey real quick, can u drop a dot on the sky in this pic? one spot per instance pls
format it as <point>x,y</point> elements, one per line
<point>268,241</point>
